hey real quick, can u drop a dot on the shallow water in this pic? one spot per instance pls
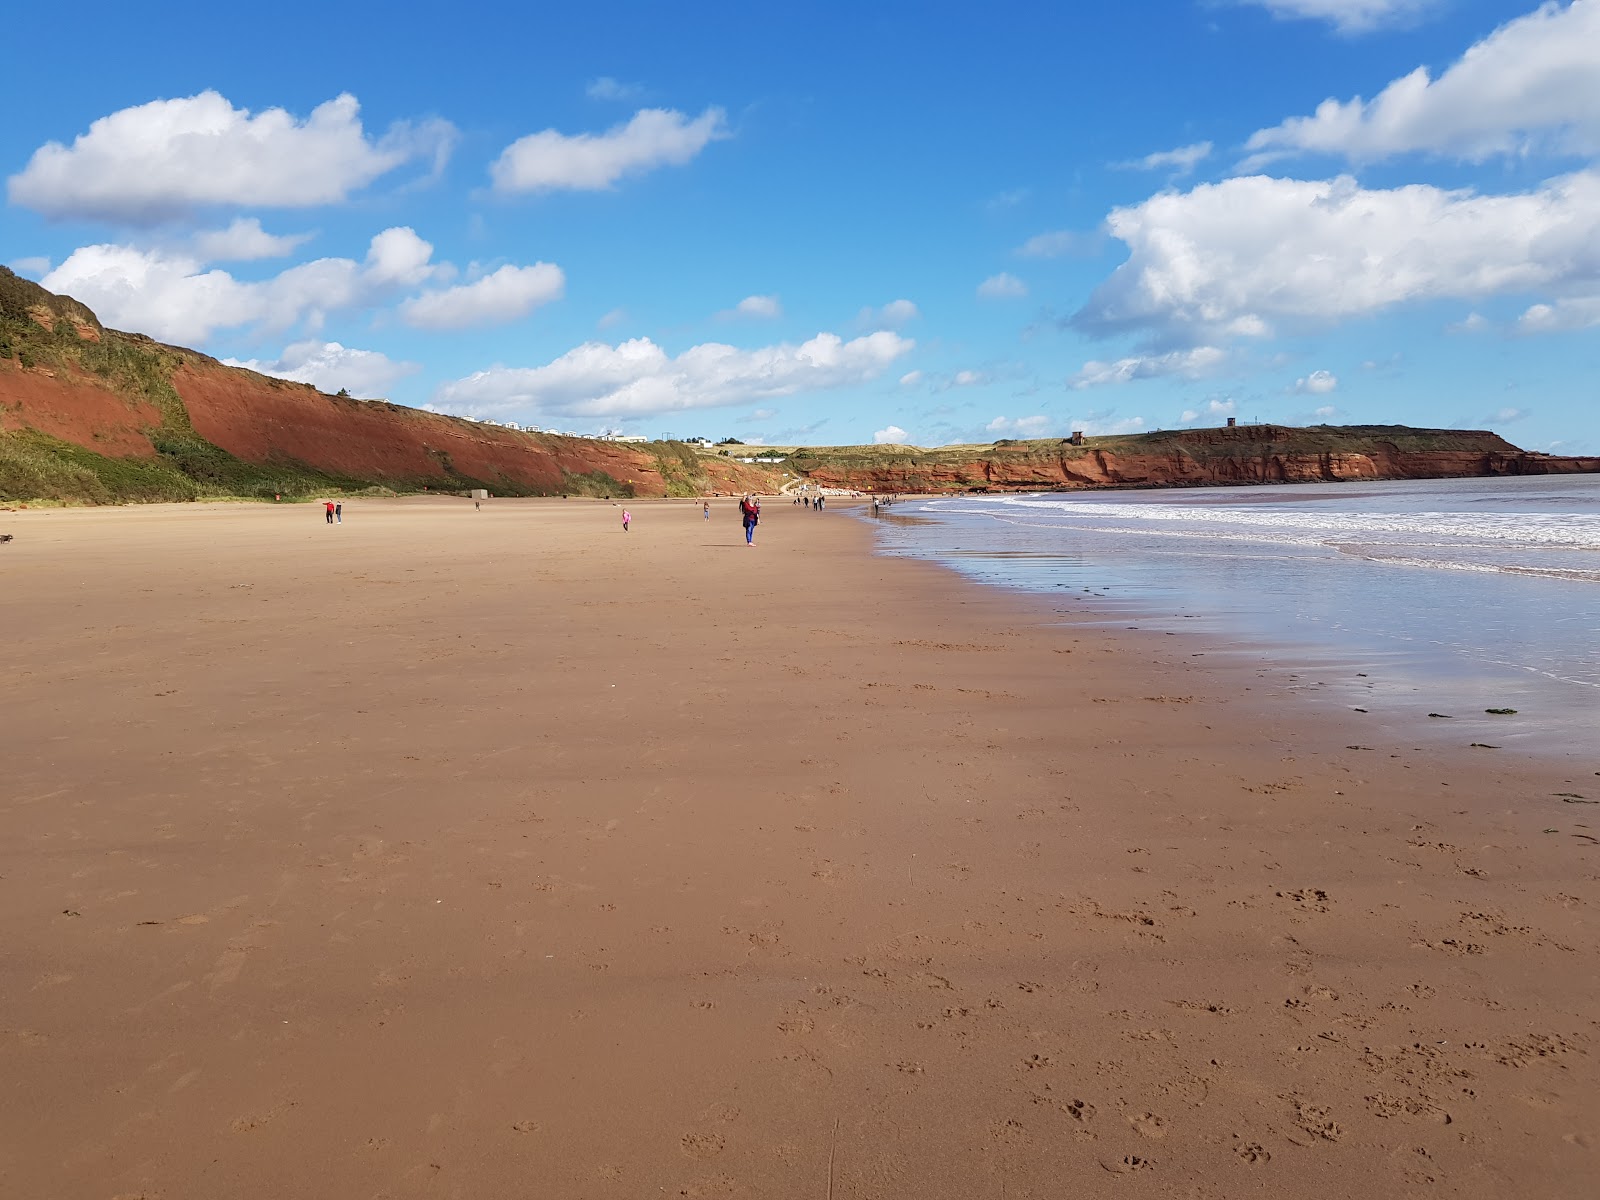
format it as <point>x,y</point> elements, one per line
<point>1404,597</point>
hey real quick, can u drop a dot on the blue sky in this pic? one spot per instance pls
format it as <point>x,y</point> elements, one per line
<point>843,223</point>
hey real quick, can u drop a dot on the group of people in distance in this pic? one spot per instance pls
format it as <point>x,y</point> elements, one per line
<point>749,514</point>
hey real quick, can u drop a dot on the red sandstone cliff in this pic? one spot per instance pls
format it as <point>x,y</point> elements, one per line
<point>1234,455</point>
<point>90,413</point>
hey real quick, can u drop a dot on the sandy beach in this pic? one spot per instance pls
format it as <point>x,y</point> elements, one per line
<point>479,854</point>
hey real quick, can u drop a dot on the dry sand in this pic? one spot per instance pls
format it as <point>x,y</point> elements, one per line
<point>448,853</point>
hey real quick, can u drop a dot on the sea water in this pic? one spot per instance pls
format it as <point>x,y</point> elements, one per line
<point>1402,598</point>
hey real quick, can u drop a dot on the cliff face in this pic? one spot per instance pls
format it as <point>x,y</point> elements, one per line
<point>1239,455</point>
<point>266,421</point>
<point>88,413</point>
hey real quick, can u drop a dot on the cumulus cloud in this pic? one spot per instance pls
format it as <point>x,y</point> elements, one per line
<point>1318,383</point>
<point>655,137</point>
<point>1188,364</point>
<point>638,377</point>
<point>1182,160</point>
<point>245,241</point>
<point>1577,312</point>
<point>1036,426</point>
<point>504,295</point>
<point>1532,84</point>
<point>1212,410</point>
<point>173,298</point>
<point>1055,244</point>
<point>399,256</point>
<point>1003,286</point>
<point>755,308</point>
<point>1349,16</point>
<point>1503,416</point>
<point>607,88</point>
<point>169,157</point>
<point>891,435</point>
<point>330,367</point>
<point>1231,259</point>
<point>894,315</point>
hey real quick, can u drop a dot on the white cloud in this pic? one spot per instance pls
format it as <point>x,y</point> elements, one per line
<point>1326,413</point>
<point>758,308</point>
<point>1182,160</point>
<point>612,319</point>
<point>1577,312</point>
<point>911,379</point>
<point>504,295</point>
<point>399,256</point>
<point>1189,364</point>
<point>1230,259</point>
<point>330,366</point>
<point>33,268</point>
<point>892,435</point>
<point>171,297</point>
<point>1318,383</point>
<point>1037,426</point>
<point>1349,16</point>
<point>1471,323</point>
<point>1532,84</point>
<point>1505,416</point>
<point>968,378</point>
<point>1054,244</point>
<point>169,157</point>
<point>1003,286</point>
<point>655,137</point>
<point>894,315</point>
<point>607,88</point>
<point>245,241</point>
<point>637,377</point>
<point>1214,410</point>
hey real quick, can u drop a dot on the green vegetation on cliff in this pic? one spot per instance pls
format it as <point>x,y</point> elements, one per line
<point>51,347</point>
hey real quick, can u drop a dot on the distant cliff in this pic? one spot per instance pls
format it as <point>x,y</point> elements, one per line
<point>1183,458</point>
<point>92,415</point>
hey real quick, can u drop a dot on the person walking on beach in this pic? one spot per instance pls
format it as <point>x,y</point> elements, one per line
<point>706,509</point>
<point>750,510</point>
<point>626,517</point>
<point>338,512</point>
<point>329,504</point>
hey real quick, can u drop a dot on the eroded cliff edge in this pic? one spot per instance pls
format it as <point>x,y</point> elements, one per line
<point>90,414</point>
<point>1184,458</point>
<point>93,415</point>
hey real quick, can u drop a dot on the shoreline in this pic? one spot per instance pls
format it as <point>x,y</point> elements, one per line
<point>1400,676</point>
<point>526,848</point>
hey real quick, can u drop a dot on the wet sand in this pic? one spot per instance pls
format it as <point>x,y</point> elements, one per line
<point>447,853</point>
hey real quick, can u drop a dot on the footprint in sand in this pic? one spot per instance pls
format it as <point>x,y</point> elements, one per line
<point>1125,1164</point>
<point>702,1145</point>
<point>1148,1125</point>
<point>1252,1152</point>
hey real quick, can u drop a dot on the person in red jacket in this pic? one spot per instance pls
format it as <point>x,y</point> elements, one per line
<point>329,503</point>
<point>750,509</point>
